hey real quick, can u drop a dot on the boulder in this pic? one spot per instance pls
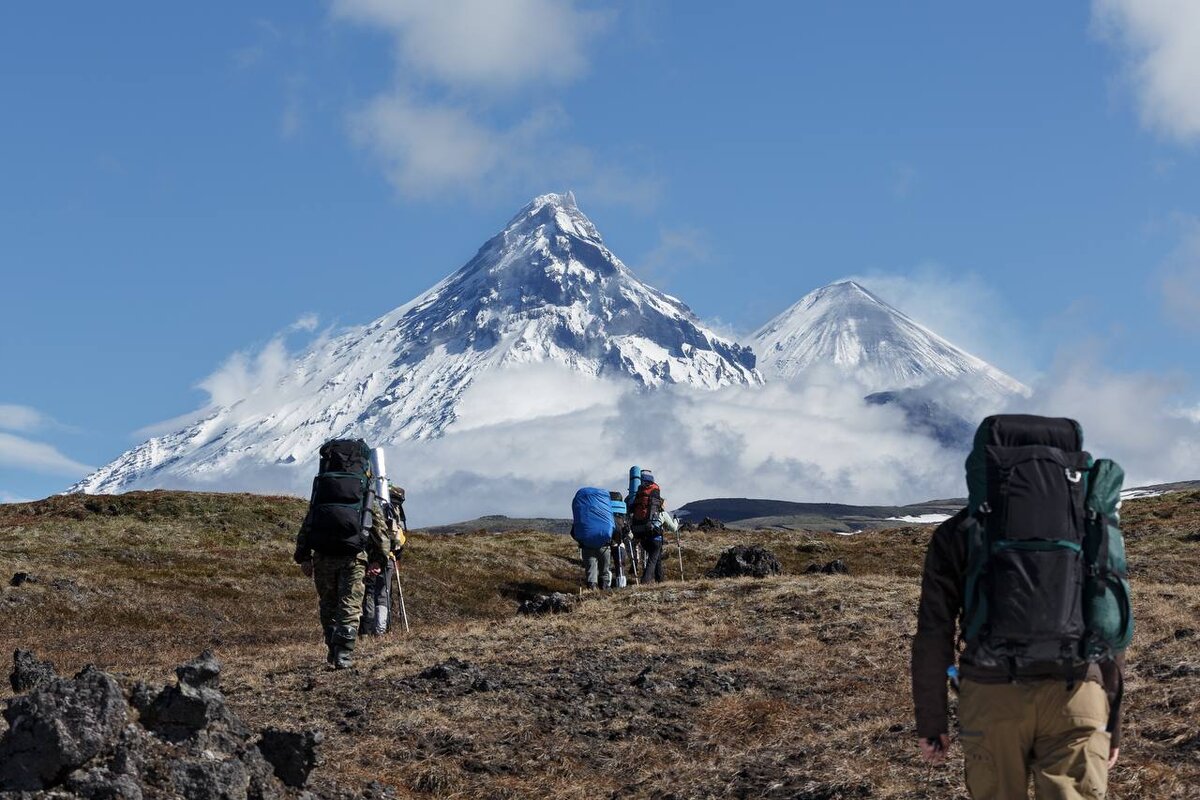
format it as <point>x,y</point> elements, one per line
<point>28,673</point>
<point>58,728</point>
<point>73,738</point>
<point>556,603</point>
<point>291,755</point>
<point>193,705</point>
<point>745,561</point>
<point>835,567</point>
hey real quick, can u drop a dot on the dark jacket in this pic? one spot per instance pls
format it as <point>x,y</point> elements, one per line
<point>934,647</point>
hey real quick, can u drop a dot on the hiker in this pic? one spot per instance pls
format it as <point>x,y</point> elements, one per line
<point>592,525</point>
<point>646,521</point>
<point>341,541</point>
<point>622,539</point>
<point>377,591</point>
<point>1034,568</point>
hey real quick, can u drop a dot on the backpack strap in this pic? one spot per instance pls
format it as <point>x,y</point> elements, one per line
<point>975,602</point>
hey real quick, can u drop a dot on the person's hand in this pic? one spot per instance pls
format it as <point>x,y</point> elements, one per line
<point>373,569</point>
<point>934,751</point>
<point>307,568</point>
<point>1113,755</point>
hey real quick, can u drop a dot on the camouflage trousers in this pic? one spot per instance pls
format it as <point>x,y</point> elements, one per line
<point>339,583</point>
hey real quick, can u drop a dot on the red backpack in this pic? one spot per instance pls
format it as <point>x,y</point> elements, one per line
<point>646,504</point>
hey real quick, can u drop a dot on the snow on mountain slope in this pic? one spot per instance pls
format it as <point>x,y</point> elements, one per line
<point>545,289</point>
<point>845,326</point>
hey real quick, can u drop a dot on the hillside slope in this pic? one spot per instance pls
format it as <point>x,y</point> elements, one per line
<point>788,687</point>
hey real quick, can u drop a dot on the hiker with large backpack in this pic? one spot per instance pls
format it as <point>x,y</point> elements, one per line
<point>622,540</point>
<point>341,541</point>
<point>377,590</point>
<point>646,518</point>
<point>592,525</point>
<point>1031,577</point>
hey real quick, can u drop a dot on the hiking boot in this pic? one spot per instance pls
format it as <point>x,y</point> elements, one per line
<point>343,645</point>
<point>329,656</point>
<point>340,658</point>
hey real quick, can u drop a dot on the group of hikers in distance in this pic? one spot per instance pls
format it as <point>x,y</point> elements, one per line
<point>1025,610</point>
<point>610,529</point>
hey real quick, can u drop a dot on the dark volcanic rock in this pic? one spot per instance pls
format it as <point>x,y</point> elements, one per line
<point>58,728</point>
<point>459,675</point>
<point>835,567</point>
<point>28,673</point>
<point>101,783</point>
<point>201,673</point>
<point>19,578</point>
<point>745,561</point>
<point>291,755</point>
<point>71,736</point>
<point>200,779</point>
<point>557,603</point>
<point>195,704</point>
<point>706,524</point>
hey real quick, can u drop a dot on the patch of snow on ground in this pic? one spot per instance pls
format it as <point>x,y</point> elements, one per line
<point>921,519</point>
<point>1139,494</point>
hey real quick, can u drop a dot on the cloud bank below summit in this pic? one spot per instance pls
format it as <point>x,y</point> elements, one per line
<point>529,435</point>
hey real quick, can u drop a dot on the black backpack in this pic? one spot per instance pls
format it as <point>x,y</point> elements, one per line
<point>337,511</point>
<point>1044,578</point>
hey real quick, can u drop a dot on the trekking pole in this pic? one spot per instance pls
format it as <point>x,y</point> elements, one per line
<point>400,594</point>
<point>637,571</point>
<point>679,549</point>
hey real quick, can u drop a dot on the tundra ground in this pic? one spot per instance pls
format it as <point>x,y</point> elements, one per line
<point>795,686</point>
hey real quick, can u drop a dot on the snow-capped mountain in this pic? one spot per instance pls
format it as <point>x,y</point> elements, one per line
<point>844,326</point>
<point>545,289</point>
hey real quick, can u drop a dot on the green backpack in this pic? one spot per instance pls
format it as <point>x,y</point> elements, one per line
<point>1046,583</point>
<point>1107,603</point>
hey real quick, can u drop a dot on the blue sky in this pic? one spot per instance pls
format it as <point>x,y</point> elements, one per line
<point>181,182</point>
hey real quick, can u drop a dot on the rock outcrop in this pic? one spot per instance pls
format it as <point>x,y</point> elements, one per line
<point>85,737</point>
<point>745,561</point>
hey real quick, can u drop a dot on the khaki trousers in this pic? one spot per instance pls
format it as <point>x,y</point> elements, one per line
<point>1010,730</point>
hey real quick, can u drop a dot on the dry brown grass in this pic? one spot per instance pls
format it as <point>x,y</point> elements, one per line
<point>789,687</point>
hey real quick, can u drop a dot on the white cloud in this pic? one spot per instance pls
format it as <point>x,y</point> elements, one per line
<point>727,443</point>
<point>677,248</point>
<point>306,323</point>
<point>427,149</point>
<point>458,118</point>
<point>22,418</point>
<point>17,452</point>
<point>1133,418</point>
<point>248,381</point>
<point>482,43</point>
<point>529,435</point>
<point>6,497</point>
<point>1160,40</point>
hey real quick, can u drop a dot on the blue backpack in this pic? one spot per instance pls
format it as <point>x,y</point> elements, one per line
<point>592,518</point>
